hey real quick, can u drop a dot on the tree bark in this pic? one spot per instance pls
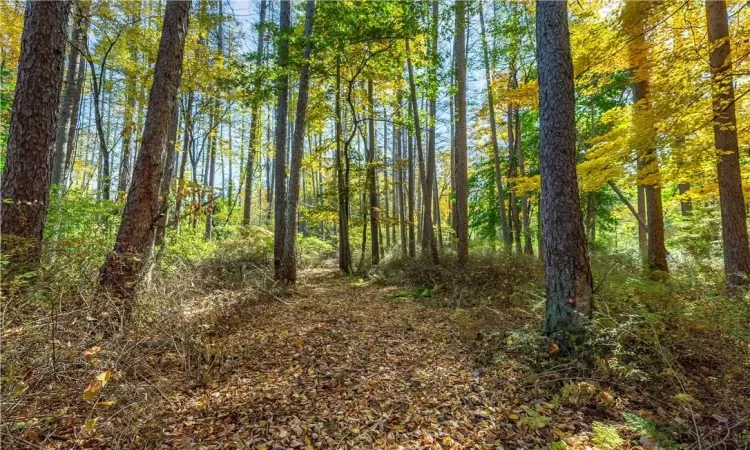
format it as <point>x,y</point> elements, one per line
<point>289,263</point>
<point>342,181</point>
<point>282,112</point>
<point>66,108</point>
<point>462,194</point>
<point>568,279</point>
<point>124,266</point>
<point>254,121</point>
<point>505,232</point>
<point>648,165</point>
<point>28,164</point>
<point>731,197</point>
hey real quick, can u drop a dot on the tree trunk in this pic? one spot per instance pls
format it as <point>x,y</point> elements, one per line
<point>462,193</point>
<point>648,164</point>
<point>385,182</point>
<point>123,268</point>
<point>28,164</point>
<point>505,232</point>
<point>282,112</point>
<point>568,280</point>
<point>186,144</point>
<point>731,197</point>
<point>254,121</point>
<point>166,179</point>
<point>289,262</point>
<point>410,158</point>
<point>372,180</point>
<point>66,108</point>
<point>73,125</point>
<point>342,182</point>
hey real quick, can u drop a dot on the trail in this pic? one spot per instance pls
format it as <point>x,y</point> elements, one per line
<point>345,364</point>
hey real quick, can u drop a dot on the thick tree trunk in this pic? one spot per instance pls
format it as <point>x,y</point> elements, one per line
<point>282,112</point>
<point>568,280</point>
<point>731,198</point>
<point>28,164</point>
<point>505,232</point>
<point>289,262</point>
<point>462,193</point>
<point>66,108</point>
<point>254,121</point>
<point>124,266</point>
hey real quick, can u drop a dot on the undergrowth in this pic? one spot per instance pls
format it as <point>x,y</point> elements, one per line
<point>665,363</point>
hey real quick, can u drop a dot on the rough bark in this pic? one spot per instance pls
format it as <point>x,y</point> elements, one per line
<point>124,266</point>
<point>731,198</point>
<point>410,175</point>
<point>568,280</point>
<point>289,263</point>
<point>28,164</point>
<point>462,194</point>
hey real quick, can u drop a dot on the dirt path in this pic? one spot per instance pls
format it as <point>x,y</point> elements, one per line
<point>347,365</point>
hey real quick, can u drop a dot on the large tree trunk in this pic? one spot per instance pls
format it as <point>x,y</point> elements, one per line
<point>462,193</point>
<point>568,280</point>
<point>282,112</point>
<point>505,232</point>
<point>69,97</point>
<point>254,121</point>
<point>289,262</point>
<point>731,198</point>
<point>124,266</point>
<point>649,175</point>
<point>28,164</point>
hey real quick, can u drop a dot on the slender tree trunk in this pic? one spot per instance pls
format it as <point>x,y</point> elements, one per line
<point>289,262</point>
<point>73,125</point>
<point>410,158</point>
<point>28,165</point>
<point>385,183</point>
<point>731,197</point>
<point>429,248</point>
<point>648,164</point>
<point>186,144</point>
<point>123,268</point>
<point>166,180</point>
<point>66,108</point>
<point>342,182</point>
<point>569,285</point>
<point>282,112</point>
<point>505,232</point>
<point>462,193</point>
<point>254,121</point>
<point>372,180</point>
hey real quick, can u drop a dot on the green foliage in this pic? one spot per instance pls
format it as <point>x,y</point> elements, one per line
<point>606,437</point>
<point>649,429</point>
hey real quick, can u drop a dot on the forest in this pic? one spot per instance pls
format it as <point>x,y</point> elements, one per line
<point>352,224</point>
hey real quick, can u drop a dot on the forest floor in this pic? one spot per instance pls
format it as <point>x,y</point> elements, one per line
<point>347,364</point>
<point>337,363</point>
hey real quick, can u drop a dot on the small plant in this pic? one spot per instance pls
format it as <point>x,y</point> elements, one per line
<point>606,436</point>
